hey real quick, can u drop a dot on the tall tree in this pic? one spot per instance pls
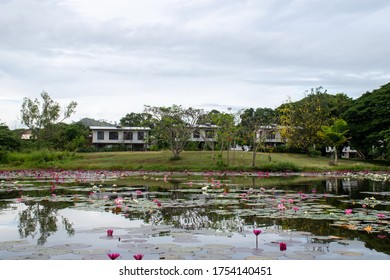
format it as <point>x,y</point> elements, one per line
<point>38,115</point>
<point>137,119</point>
<point>369,120</point>
<point>9,140</point>
<point>174,125</point>
<point>251,123</point>
<point>334,135</point>
<point>302,120</point>
<point>226,132</point>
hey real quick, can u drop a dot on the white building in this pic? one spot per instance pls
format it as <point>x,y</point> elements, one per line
<point>270,135</point>
<point>204,132</point>
<point>108,136</point>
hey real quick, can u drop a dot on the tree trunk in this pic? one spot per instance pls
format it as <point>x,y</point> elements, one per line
<point>254,152</point>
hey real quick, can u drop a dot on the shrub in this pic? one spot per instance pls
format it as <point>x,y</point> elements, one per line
<point>3,156</point>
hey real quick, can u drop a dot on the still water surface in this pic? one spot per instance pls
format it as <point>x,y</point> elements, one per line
<point>66,215</point>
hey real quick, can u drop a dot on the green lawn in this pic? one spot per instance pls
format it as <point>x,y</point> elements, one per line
<point>200,161</point>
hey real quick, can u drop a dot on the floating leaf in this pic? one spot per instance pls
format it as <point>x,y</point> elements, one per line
<point>349,253</point>
<point>92,251</point>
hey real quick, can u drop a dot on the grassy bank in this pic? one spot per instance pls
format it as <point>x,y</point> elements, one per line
<point>194,161</point>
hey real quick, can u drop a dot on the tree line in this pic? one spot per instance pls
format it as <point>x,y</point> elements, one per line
<point>309,125</point>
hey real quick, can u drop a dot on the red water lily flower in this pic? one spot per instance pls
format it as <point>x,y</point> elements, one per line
<point>113,256</point>
<point>110,232</point>
<point>138,256</point>
<point>283,246</point>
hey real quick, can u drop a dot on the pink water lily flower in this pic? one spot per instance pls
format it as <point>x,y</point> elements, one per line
<point>348,211</point>
<point>118,200</point>
<point>281,206</point>
<point>138,256</point>
<point>381,216</point>
<point>113,256</point>
<point>257,232</point>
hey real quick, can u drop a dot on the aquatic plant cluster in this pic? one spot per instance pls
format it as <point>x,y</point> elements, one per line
<point>209,201</point>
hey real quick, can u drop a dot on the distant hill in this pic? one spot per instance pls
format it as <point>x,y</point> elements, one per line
<point>91,122</point>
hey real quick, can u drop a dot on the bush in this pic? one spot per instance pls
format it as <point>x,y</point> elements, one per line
<point>3,156</point>
<point>37,158</point>
<point>154,148</point>
<point>192,146</point>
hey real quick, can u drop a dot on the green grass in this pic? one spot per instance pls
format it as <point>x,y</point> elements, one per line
<point>190,160</point>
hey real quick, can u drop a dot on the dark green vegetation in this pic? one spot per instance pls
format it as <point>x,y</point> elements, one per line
<point>368,118</point>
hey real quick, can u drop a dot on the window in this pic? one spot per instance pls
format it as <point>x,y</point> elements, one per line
<point>128,135</point>
<point>141,135</point>
<point>113,135</point>
<point>100,135</point>
<point>196,134</point>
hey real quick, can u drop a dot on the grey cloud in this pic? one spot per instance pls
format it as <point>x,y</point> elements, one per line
<point>211,45</point>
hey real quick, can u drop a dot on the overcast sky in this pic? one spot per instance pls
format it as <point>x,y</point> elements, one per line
<point>114,57</point>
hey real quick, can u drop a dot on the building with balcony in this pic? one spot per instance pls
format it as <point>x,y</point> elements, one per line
<point>135,138</point>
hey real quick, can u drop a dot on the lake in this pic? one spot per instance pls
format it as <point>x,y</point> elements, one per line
<point>66,215</point>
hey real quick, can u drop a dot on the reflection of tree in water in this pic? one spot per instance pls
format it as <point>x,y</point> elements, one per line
<point>4,205</point>
<point>41,219</point>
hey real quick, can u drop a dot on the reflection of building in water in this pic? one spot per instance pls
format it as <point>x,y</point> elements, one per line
<point>333,184</point>
<point>346,152</point>
<point>193,219</point>
<point>348,185</point>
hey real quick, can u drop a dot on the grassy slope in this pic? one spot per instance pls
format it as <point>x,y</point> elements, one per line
<point>198,161</point>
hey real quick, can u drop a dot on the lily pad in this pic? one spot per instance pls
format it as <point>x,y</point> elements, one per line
<point>171,257</point>
<point>185,240</point>
<point>92,251</point>
<point>98,257</point>
<point>213,257</point>
<point>32,257</point>
<point>295,256</point>
<point>260,257</point>
<point>53,251</point>
<point>25,248</point>
<point>186,250</point>
<point>349,253</point>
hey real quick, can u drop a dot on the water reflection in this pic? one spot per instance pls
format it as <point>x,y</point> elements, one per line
<point>188,207</point>
<point>41,220</point>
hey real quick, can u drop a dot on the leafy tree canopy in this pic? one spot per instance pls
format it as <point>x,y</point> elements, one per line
<point>369,120</point>
<point>9,140</point>
<point>40,114</point>
<point>175,125</point>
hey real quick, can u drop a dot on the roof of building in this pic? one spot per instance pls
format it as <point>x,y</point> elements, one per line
<point>131,128</point>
